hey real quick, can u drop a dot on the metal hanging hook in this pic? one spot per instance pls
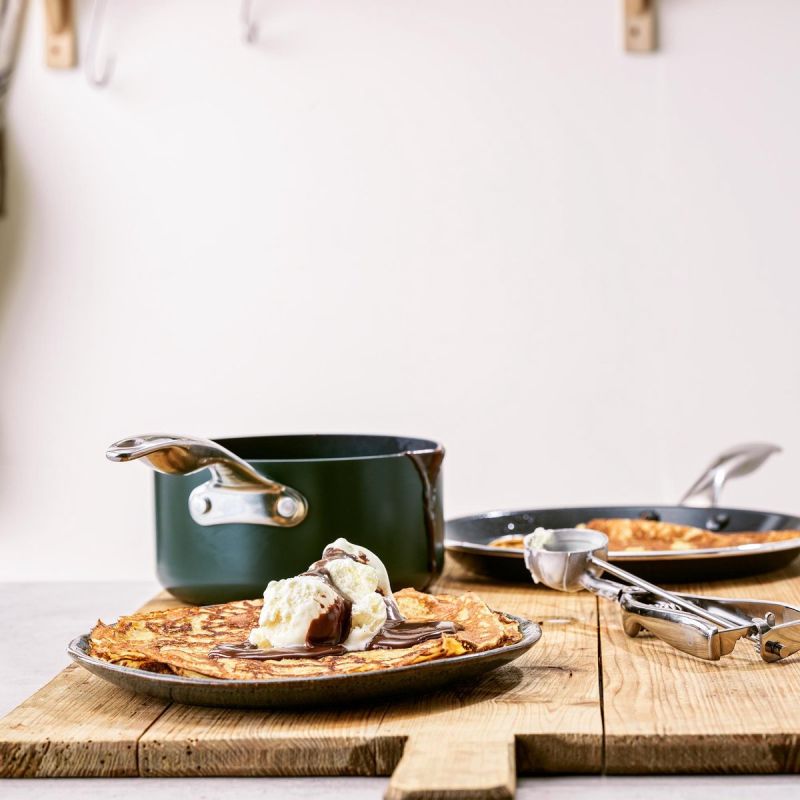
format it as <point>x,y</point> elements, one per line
<point>249,23</point>
<point>98,75</point>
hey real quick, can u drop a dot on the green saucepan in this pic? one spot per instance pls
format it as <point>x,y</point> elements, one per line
<point>233,514</point>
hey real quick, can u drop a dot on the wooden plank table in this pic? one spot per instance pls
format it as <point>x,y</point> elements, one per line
<point>667,712</point>
<point>661,712</point>
<point>541,713</point>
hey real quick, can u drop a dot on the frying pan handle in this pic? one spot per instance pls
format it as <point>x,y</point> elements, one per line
<point>235,493</point>
<point>733,463</point>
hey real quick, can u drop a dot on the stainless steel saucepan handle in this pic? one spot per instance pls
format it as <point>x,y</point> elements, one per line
<point>235,493</point>
<point>733,463</point>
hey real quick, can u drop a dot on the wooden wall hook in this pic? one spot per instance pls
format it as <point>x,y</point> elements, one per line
<point>640,26</point>
<point>60,45</point>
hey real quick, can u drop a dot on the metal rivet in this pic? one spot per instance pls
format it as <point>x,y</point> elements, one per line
<point>718,522</point>
<point>199,505</point>
<point>286,507</point>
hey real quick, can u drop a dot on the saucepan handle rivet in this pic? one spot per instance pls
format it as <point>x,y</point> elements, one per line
<point>286,507</point>
<point>200,505</point>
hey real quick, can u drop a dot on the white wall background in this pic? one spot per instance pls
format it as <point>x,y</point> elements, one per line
<point>481,222</point>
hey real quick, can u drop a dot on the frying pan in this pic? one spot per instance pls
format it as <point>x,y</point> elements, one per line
<point>467,538</point>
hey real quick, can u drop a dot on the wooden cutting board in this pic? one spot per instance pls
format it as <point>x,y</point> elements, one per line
<point>586,699</point>
<point>666,712</point>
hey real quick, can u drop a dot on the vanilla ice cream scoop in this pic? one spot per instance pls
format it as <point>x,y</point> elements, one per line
<point>342,600</point>
<point>359,584</point>
<point>365,556</point>
<point>300,611</point>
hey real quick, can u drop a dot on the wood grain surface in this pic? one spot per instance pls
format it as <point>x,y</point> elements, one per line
<point>548,700</point>
<point>539,714</point>
<point>662,712</point>
<point>666,712</point>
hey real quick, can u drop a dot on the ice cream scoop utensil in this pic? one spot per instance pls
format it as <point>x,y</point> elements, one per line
<point>572,559</point>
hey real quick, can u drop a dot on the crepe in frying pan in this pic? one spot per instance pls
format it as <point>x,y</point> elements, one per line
<point>178,641</point>
<point>636,535</point>
<point>645,534</point>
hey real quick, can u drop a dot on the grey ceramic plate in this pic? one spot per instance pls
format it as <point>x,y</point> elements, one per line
<point>324,690</point>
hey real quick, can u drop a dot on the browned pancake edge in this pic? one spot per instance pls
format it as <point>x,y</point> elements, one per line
<point>637,535</point>
<point>179,640</point>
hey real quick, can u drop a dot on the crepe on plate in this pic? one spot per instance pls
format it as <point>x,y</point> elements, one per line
<point>178,641</point>
<point>633,535</point>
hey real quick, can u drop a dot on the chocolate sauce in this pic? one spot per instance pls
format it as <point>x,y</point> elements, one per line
<point>392,610</point>
<point>253,653</point>
<point>428,463</point>
<point>400,633</point>
<point>333,626</point>
<point>325,632</point>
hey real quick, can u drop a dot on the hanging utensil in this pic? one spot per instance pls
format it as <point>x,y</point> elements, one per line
<point>572,559</point>
<point>98,74</point>
<point>60,45</point>
<point>11,12</point>
<point>250,27</point>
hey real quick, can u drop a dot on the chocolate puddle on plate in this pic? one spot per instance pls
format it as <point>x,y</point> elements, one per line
<point>395,633</point>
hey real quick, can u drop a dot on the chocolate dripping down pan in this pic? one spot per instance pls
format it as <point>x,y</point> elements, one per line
<point>467,538</point>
